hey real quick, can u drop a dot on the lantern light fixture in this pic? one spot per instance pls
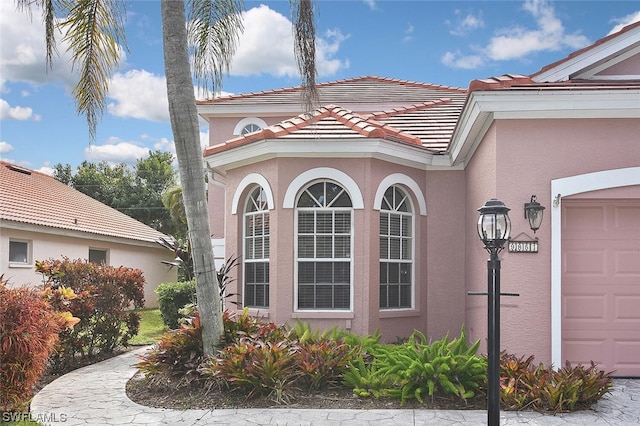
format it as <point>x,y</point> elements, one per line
<point>533,212</point>
<point>494,225</point>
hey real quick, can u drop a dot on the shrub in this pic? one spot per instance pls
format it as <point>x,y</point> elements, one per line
<point>28,333</point>
<point>256,367</point>
<point>415,368</point>
<point>105,295</point>
<point>172,297</point>
<point>525,385</point>
<point>176,357</point>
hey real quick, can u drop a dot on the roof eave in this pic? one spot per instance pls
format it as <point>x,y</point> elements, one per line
<point>399,153</point>
<point>484,107</point>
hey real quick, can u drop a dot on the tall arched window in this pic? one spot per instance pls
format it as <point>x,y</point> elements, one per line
<point>396,250</point>
<point>324,226</point>
<point>256,250</point>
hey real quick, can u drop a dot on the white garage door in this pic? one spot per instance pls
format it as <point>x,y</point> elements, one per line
<point>601,284</point>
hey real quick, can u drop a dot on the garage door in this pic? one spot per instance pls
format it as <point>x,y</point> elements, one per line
<point>601,284</point>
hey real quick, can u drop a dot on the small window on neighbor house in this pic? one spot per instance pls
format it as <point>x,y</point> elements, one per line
<point>98,256</point>
<point>249,128</point>
<point>19,252</point>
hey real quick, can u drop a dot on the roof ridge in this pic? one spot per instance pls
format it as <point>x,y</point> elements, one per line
<point>333,83</point>
<point>415,107</point>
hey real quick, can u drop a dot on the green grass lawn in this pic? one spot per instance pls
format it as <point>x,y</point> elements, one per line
<point>151,327</point>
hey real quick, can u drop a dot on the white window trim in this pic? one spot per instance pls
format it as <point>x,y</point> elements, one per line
<point>29,262</point>
<point>413,254</point>
<point>403,180</point>
<point>106,253</point>
<point>341,178</point>
<point>246,121</point>
<point>564,187</point>
<point>331,313</point>
<point>249,180</point>
<point>244,248</point>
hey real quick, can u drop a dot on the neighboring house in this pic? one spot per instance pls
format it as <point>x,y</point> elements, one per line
<point>362,214</point>
<point>41,218</point>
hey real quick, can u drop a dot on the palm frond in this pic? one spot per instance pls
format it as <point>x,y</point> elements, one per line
<point>94,30</point>
<point>213,28</point>
<point>304,36</point>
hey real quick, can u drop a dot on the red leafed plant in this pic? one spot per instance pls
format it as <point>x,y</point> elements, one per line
<point>29,328</point>
<point>104,296</point>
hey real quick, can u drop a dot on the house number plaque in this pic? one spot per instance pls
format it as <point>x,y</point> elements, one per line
<point>523,247</point>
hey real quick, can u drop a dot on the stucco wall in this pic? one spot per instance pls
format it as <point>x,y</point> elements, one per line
<point>523,156</point>
<point>366,316</point>
<point>47,246</point>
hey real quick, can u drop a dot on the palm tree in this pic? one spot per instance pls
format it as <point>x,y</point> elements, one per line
<point>95,32</point>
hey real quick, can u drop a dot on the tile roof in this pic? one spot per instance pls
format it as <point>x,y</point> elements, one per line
<point>363,91</point>
<point>34,198</point>
<point>335,122</point>
<point>396,110</point>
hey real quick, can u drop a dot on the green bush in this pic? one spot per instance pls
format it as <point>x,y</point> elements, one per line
<point>416,368</point>
<point>105,296</point>
<point>172,297</point>
<point>28,334</point>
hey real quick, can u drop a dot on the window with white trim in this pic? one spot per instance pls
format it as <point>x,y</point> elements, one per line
<point>20,252</point>
<point>324,215</point>
<point>396,250</point>
<point>98,256</point>
<point>256,250</point>
<point>249,128</point>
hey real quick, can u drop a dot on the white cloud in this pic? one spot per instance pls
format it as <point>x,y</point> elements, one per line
<point>370,3</point>
<point>16,113</point>
<point>5,147</point>
<point>138,94</point>
<point>116,151</point>
<point>465,23</point>
<point>23,52</point>
<point>266,47</point>
<point>408,33</point>
<point>518,42</point>
<point>458,60</point>
<point>624,21</point>
<point>46,169</point>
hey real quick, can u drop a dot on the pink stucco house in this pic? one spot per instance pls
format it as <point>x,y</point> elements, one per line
<point>41,218</point>
<point>362,214</point>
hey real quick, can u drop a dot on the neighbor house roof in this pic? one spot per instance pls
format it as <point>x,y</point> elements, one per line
<point>28,197</point>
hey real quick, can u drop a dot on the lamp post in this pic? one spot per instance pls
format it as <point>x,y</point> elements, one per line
<point>494,227</point>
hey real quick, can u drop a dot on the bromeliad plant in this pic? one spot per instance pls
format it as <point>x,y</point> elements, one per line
<point>528,386</point>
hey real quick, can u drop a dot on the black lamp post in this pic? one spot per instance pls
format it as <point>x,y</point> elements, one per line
<point>494,227</point>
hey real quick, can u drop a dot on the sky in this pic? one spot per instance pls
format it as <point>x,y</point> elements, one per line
<point>441,42</point>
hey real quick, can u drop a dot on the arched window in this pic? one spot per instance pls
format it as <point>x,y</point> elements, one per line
<point>248,125</point>
<point>256,250</point>
<point>396,250</point>
<point>324,215</point>
<point>249,128</point>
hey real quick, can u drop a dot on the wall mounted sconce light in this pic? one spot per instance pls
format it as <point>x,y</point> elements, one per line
<point>533,213</point>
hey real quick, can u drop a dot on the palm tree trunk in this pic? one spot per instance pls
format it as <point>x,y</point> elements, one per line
<point>186,135</point>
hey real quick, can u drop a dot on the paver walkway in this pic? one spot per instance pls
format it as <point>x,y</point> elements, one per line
<point>95,395</point>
